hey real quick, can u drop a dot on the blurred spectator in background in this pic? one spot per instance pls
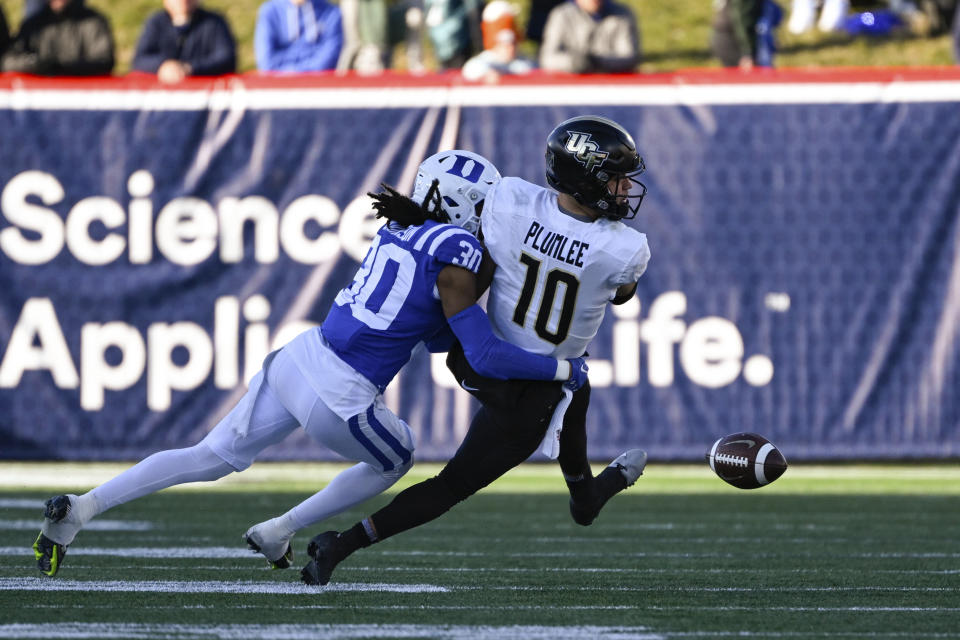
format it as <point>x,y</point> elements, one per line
<point>371,30</point>
<point>184,40</point>
<point>590,36</point>
<point>499,56</point>
<point>33,7</point>
<point>539,10</point>
<point>941,12</point>
<point>4,33</point>
<point>925,17</point>
<point>454,30</point>
<point>734,32</point>
<point>803,15</point>
<point>497,15</point>
<point>64,39</point>
<point>956,37</point>
<point>922,17</point>
<point>742,34</point>
<point>298,35</point>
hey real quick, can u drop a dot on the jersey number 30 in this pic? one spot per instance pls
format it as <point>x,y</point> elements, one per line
<point>379,291</point>
<point>548,300</point>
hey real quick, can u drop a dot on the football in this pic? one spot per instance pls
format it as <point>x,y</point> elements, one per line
<point>746,460</point>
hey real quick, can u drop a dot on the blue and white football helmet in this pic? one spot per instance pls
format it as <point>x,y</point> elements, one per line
<point>455,183</point>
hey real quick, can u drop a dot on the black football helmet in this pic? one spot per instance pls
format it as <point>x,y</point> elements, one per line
<point>584,154</point>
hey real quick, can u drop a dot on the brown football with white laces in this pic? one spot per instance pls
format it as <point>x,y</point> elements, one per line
<point>746,460</point>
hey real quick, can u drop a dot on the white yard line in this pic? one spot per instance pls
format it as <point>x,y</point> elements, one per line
<point>93,525</point>
<point>312,631</point>
<point>673,554</point>
<point>660,589</point>
<point>639,570</point>
<point>811,609</point>
<point>525,570</point>
<point>855,635</point>
<point>519,607</point>
<point>240,552</point>
<point>206,586</point>
<point>704,540</point>
<point>446,632</point>
<point>143,552</point>
<point>21,503</point>
<point>257,587</point>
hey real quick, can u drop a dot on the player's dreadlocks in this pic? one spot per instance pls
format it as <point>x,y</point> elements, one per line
<point>392,205</point>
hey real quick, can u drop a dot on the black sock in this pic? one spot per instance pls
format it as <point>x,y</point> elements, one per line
<point>354,538</point>
<point>610,482</point>
<point>580,486</point>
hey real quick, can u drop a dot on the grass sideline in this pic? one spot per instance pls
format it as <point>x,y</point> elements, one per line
<point>865,552</point>
<point>674,35</point>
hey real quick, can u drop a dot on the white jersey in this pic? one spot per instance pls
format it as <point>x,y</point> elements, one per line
<point>555,273</point>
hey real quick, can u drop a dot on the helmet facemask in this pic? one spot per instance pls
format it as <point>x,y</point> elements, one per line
<point>620,206</point>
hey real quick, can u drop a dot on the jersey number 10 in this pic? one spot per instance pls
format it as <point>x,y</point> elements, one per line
<point>548,300</point>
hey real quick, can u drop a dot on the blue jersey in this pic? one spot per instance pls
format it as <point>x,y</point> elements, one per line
<point>393,302</point>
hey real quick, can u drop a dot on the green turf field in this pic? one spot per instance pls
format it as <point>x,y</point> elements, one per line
<point>825,552</point>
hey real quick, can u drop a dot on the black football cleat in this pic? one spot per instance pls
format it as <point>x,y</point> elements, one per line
<point>325,554</point>
<point>620,474</point>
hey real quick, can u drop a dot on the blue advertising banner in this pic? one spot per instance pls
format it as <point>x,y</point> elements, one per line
<point>804,282</point>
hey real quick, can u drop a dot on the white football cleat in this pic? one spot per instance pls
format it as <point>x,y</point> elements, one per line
<point>587,501</point>
<point>631,464</point>
<point>265,538</point>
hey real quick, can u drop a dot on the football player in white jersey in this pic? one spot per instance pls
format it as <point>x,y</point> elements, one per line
<point>556,258</point>
<point>418,283</point>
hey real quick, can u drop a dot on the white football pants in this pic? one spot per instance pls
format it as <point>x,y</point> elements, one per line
<point>377,439</point>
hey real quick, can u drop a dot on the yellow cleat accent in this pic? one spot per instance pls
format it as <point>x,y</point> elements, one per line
<point>284,561</point>
<point>49,555</point>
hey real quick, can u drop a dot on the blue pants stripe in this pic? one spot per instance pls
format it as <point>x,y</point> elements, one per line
<point>354,423</point>
<point>388,437</point>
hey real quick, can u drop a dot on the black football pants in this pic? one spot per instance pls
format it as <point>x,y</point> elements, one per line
<point>507,430</point>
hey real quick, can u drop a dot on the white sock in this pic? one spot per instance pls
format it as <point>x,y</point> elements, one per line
<point>279,528</point>
<point>350,486</point>
<point>159,471</point>
<point>85,507</point>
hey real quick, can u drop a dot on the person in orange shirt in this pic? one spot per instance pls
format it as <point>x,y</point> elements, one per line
<point>500,38</point>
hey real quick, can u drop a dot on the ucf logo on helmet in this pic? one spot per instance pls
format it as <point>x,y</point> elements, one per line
<point>585,150</point>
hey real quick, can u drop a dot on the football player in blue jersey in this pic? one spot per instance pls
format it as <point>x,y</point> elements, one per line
<point>553,258</point>
<point>417,283</point>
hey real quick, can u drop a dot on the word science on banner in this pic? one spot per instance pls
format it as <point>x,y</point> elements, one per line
<point>156,244</point>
